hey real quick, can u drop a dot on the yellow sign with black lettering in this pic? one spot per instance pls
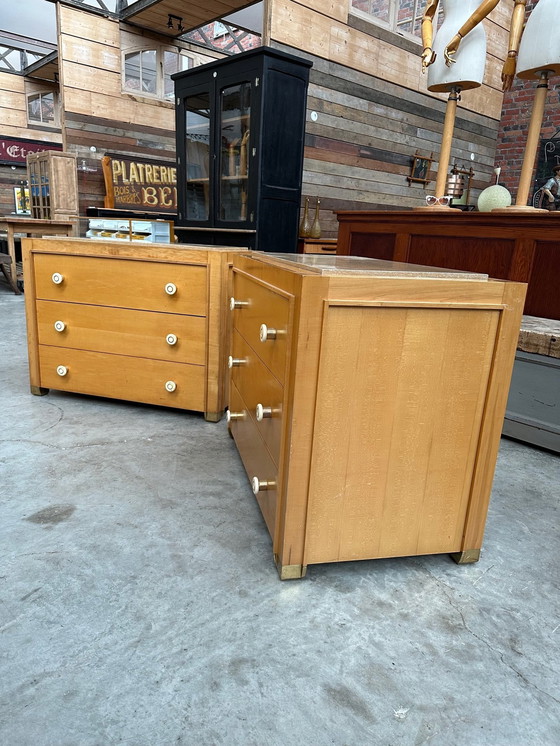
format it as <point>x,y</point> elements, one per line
<point>140,184</point>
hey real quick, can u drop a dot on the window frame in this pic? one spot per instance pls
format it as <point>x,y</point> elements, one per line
<point>390,25</point>
<point>52,124</point>
<point>160,51</point>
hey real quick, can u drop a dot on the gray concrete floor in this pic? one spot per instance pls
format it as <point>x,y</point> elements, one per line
<point>140,604</point>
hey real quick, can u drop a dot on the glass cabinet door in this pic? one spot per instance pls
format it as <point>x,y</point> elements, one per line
<point>234,132</point>
<point>197,153</point>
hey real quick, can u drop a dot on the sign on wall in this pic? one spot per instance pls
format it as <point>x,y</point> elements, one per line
<point>14,151</point>
<point>140,184</point>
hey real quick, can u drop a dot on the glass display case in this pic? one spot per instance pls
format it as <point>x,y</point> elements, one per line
<point>240,137</point>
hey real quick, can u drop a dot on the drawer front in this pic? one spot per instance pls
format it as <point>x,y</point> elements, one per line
<point>257,386</point>
<point>123,377</point>
<point>122,331</point>
<point>256,459</point>
<point>122,282</point>
<point>264,307</point>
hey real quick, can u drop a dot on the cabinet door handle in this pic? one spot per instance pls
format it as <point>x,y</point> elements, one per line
<point>171,288</point>
<point>260,486</point>
<point>262,413</point>
<point>231,416</point>
<point>235,362</point>
<point>266,333</point>
<point>57,278</point>
<point>170,386</point>
<point>62,370</point>
<point>234,303</point>
<point>60,326</point>
<point>171,339</point>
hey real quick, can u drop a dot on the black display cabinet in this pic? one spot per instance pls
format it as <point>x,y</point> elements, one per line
<point>240,137</point>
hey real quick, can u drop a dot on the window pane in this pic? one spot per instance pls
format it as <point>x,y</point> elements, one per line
<point>380,9</point>
<point>235,111</point>
<point>34,108</point>
<point>409,17</point>
<point>132,71</point>
<point>47,107</point>
<point>149,80</point>
<point>198,156</point>
<point>170,66</point>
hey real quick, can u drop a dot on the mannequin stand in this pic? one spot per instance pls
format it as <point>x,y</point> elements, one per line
<point>445,153</point>
<point>531,147</point>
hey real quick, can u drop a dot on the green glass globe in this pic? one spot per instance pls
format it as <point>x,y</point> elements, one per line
<point>492,197</point>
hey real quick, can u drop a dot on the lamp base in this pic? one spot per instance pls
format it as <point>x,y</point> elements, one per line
<point>519,208</point>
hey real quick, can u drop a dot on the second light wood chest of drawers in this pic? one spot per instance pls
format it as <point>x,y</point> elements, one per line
<point>367,401</point>
<point>141,323</point>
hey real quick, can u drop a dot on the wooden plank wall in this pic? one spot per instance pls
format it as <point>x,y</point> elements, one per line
<point>374,111</point>
<point>97,113</point>
<point>13,123</point>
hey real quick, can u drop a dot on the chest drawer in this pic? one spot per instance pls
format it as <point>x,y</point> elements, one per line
<point>256,460</point>
<point>261,393</point>
<point>122,331</point>
<point>123,377</point>
<point>262,316</point>
<point>126,283</point>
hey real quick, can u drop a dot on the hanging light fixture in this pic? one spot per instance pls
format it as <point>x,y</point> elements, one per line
<point>171,18</point>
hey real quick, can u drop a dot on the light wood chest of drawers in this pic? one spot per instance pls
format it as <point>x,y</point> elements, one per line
<point>367,401</point>
<point>142,323</point>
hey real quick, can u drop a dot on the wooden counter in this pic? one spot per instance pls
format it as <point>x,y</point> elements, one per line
<point>367,401</point>
<point>521,247</point>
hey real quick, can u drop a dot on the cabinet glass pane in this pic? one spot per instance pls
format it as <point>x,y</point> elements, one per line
<point>234,123</point>
<point>197,110</point>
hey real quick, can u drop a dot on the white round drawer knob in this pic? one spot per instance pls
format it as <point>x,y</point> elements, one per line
<point>232,416</point>
<point>233,303</point>
<point>171,339</point>
<point>266,333</point>
<point>262,412</point>
<point>57,278</point>
<point>62,370</point>
<point>260,486</point>
<point>60,326</point>
<point>171,288</point>
<point>234,362</point>
<point>170,386</point>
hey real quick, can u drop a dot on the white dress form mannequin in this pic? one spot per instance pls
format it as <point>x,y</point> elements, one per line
<point>468,69</point>
<point>539,57</point>
<point>540,44</point>
<point>463,37</point>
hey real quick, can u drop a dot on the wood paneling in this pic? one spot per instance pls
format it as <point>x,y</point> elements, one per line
<point>334,40</point>
<point>88,26</point>
<point>359,150</point>
<point>521,247</point>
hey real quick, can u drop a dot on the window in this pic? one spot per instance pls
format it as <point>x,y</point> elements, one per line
<point>173,62</point>
<point>149,71</point>
<point>401,16</point>
<point>41,108</point>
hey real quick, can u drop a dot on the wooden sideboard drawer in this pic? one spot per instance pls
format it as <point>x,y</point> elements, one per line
<point>256,459</point>
<point>122,331</point>
<point>261,393</point>
<point>122,282</point>
<point>264,321</point>
<point>123,377</point>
